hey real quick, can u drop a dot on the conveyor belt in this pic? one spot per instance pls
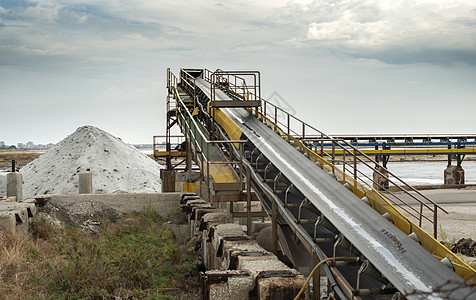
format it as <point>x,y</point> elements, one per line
<point>405,263</point>
<point>220,173</point>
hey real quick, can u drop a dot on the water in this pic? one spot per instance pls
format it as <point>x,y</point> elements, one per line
<point>413,173</point>
<point>146,150</point>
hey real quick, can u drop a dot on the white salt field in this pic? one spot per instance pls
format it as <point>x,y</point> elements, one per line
<point>425,173</point>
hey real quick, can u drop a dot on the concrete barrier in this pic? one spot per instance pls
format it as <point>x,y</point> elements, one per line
<point>165,204</point>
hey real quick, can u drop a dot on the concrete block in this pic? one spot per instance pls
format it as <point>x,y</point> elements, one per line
<point>229,229</point>
<point>273,279</point>
<point>30,208</point>
<point>196,219</point>
<point>257,226</point>
<point>14,218</point>
<point>86,182</point>
<point>242,221</point>
<point>7,221</point>
<point>281,285</point>
<point>232,248</point>
<point>228,284</point>
<point>215,234</point>
<point>238,206</point>
<point>380,182</point>
<point>191,204</point>
<point>11,199</point>
<point>216,218</point>
<point>15,185</point>
<point>454,175</point>
<point>254,264</point>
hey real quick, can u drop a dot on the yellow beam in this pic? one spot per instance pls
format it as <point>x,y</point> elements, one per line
<point>172,153</point>
<point>406,151</point>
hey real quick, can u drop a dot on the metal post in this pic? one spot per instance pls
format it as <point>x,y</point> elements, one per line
<point>316,278</point>
<point>207,178</point>
<point>435,221</point>
<point>275,118</point>
<point>274,224</point>
<point>343,164</point>
<point>421,214</point>
<point>13,166</point>
<point>242,146</point>
<point>248,201</point>
<point>333,154</point>
<point>355,167</point>
<point>289,122</point>
<point>322,145</point>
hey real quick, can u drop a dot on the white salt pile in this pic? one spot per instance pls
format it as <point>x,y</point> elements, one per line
<point>3,185</point>
<point>115,166</point>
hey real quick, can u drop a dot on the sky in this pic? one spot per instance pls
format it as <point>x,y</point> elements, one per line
<point>343,66</point>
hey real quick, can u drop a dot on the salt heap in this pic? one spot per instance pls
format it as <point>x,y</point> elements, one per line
<point>3,185</point>
<point>115,166</point>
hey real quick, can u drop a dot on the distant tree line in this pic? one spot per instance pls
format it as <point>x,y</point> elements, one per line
<point>8,147</point>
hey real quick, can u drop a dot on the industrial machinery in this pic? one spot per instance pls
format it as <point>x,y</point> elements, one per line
<point>319,205</point>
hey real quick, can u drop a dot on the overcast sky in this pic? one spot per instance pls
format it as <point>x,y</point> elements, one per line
<point>350,66</point>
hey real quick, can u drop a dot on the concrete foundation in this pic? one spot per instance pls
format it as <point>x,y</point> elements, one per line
<point>85,205</point>
<point>15,185</point>
<point>380,182</point>
<point>237,267</point>
<point>454,175</point>
<point>86,182</point>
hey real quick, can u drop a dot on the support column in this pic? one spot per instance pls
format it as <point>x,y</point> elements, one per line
<point>454,175</point>
<point>168,180</point>
<point>86,182</point>
<point>15,185</point>
<point>380,181</point>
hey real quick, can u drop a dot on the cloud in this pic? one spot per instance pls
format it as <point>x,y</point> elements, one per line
<point>374,28</point>
<point>2,10</point>
<point>82,19</point>
<point>41,12</point>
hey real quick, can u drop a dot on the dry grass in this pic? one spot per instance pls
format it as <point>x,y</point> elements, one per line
<point>21,157</point>
<point>135,257</point>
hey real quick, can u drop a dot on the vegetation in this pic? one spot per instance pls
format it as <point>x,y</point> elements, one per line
<point>21,157</point>
<point>135,258</point>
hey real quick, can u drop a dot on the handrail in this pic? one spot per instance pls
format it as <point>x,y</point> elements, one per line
<point>357,152</point>
<point>235,83</point>
<point>273,118</point>
<point>194,134</point>
<point>156,145</point>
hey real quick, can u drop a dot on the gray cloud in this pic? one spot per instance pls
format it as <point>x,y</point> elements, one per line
<point>103,62</point>
<point>364,28</point>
